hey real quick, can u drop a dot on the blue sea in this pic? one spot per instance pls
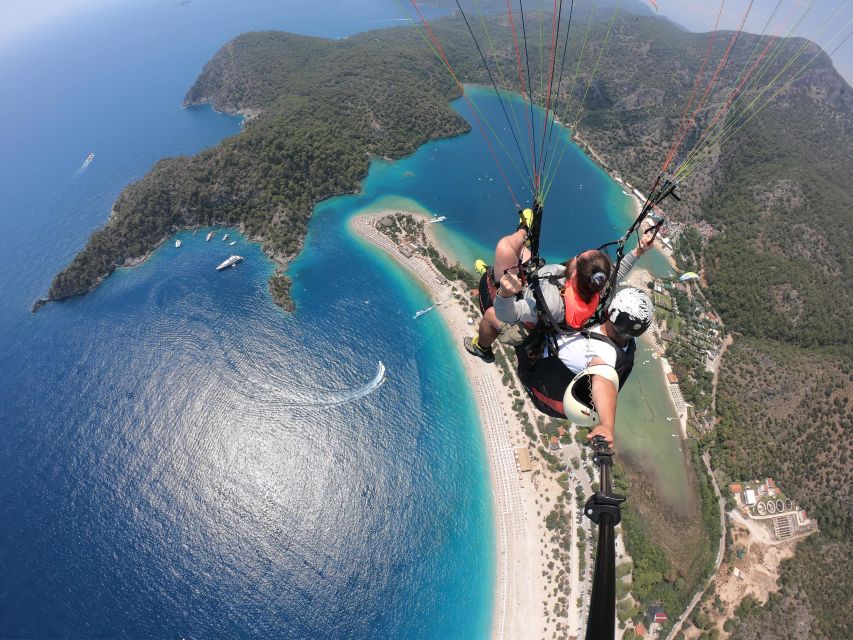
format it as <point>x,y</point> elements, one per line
<point>174,460</point>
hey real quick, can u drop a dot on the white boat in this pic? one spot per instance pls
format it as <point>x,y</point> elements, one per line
<point>230,262</point>
<point>177,244</point>
<point>209,236</point>
<point>422,312</point>
<point>225,237</point>
<point>232,243</point>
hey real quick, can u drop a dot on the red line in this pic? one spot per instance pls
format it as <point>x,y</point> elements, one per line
<point>736,91</point>
<point>521,83</point>
<point>682,123</point>
<point>517,52</point>
<point>713,81</point>
<point>550,81</point>
<point>480,126</point>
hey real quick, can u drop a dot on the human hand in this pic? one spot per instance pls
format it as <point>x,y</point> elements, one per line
<point>603,430</point>
<point>510,285</point>
<point>647,240</point>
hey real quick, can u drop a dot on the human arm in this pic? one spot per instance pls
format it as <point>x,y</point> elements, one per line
<point>604,395</point>
<point>507,307</point>
<point>645,243</point>
<point>510,309</point>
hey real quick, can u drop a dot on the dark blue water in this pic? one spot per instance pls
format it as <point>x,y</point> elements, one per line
<point>162,470</point>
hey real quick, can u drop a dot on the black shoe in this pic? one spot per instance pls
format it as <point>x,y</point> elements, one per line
<point>472,347</point>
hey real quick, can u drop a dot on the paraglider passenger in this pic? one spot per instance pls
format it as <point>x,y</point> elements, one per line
<point>581,381</point>
<point>570,290</point>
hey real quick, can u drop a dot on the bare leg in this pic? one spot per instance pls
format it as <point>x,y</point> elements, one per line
<point>509,251</point>
<point>489,327</point>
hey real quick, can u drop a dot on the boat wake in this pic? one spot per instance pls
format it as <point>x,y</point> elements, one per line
<point>329,397</point>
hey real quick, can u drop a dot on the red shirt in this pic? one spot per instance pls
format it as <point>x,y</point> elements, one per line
<point>577,311</point>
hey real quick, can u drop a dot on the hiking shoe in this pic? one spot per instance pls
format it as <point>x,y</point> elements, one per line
<point>472,347</point>
<point>525,219</point>
<point>480,266</point>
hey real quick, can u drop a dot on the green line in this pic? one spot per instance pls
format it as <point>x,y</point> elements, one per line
<point>548,170</point>
<point>692,168</point>
<point>737,107</point>
<point>588,85</point>
<point>732,127</point>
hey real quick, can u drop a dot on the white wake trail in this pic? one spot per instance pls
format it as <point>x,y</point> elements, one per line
<point>328,397</point>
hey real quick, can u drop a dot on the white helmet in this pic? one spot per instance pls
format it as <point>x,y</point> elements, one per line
<point>581,412</point>
<point>631,311</point>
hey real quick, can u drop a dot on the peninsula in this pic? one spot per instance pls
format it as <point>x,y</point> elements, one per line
<point>317,111</point>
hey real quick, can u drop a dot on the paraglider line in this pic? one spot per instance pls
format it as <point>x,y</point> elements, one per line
<point>495,87</point>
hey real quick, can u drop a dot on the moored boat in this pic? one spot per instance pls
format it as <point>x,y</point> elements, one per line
<point>230,262</point>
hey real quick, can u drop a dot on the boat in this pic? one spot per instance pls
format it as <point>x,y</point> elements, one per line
<point>209,236</point>
<point>225,237</point>
<point>232,243</point>
<point>88,159</point>
<point>177,244</point>
<point>422,312</point>
<point>230,262</point>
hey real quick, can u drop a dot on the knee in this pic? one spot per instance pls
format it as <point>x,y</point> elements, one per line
<point>491,319</point>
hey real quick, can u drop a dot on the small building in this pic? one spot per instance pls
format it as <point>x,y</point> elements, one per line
<point>640,631</point>
<point>749,497</point>
<point>561,431</point>
<point>735,488</point>
<point>656,615</point>
<point>672,378</point>
<point>405,250</point>
<point>737,573</point>
<point>555,443</point>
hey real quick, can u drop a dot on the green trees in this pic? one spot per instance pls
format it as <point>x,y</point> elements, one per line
<point>325,107</point>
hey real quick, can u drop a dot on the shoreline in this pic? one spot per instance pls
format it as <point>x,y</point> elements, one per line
<point>638,277</point>
<point>524,546</point>
<point>519,562</point>
<point>280,261</point>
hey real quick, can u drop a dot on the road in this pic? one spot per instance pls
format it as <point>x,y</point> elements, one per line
<point>706,458</point>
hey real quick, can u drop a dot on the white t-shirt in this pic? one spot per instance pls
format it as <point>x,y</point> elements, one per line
<point>577,351</point>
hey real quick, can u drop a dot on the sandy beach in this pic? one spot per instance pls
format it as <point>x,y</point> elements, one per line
<point>524,586</point>
<point>519,583</point>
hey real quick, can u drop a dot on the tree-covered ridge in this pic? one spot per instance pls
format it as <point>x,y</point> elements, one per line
<point>322,109</point>
<point>779,272</point>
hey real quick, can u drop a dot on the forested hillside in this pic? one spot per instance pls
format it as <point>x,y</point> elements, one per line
<point>321,109</point>
<point>779,274</point>
<point>778,193</point>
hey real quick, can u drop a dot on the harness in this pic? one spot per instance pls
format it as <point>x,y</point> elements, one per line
<point>546,378</point>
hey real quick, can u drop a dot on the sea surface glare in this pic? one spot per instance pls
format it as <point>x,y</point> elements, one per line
<point>168,464</point>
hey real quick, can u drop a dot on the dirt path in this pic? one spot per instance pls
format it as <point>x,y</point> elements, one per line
<point>720,551</point>
<point>716,367</point>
